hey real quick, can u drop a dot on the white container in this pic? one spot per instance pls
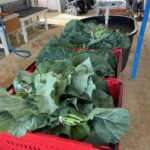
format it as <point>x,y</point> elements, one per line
<point>112,4</point>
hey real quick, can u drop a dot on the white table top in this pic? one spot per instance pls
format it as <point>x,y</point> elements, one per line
<point>35,14</point>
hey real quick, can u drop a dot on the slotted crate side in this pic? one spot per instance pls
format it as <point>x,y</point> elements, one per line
<point>43,142</point>
<point>32,141</point>
<point>118,53</point>
<point>116,90</point>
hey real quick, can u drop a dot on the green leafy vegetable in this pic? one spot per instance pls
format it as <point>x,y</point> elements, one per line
<point>108,125</point>
<point>101,67</point>
<point>67,95</point>
<point>81,82</point>
<point>17,115</point>
<point>54,50</point>
<point>93,35</point>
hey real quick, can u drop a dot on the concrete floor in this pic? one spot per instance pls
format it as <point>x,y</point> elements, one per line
<point>136,99</point>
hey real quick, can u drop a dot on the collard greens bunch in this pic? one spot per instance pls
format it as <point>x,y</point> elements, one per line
<point>90,36</point>
<point>67,95</point>
<point>64,99</point>
<point>93,35</point>
<point>103,60</point>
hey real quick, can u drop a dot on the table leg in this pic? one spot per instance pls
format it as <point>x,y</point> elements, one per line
<point>18,38</point>
<point>9,37</point>
<point>97,11</point>
<point>45,17</point>
<point>37,17</point>
<point>25,35</point>
<point>33,20</point>
<point>4,43</point>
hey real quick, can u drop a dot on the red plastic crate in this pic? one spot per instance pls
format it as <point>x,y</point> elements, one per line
<point>118,53</point>
<point>39,141</point>
<point>43,142</point>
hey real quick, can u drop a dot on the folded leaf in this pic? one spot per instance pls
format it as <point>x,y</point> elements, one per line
<point>44,86</point>
<point>108,125</point>
<point>102,99</point>
<point>100,66</point>
<point>63,67</point>
<point>81,81</point>
<point>22,83</point>
<point>17,115</point>
<point>56,49</point>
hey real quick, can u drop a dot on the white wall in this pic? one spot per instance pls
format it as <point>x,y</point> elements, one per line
<point>6,1</point>
<point>52,4</point>
<point>42,3</point>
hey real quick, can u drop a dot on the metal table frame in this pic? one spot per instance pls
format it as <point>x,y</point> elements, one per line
<point>3,45</point>
<point>32,20</point>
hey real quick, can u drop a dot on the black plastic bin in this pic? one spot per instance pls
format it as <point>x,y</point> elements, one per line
<point>129,25</point>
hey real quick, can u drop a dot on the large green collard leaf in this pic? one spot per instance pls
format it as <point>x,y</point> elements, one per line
<point>61,42</point>
<point>17,115</point>
<point>56,49</point>
<point>75,34</point>
<point>103,37</point>
<point>79,74</point>
<point>98,60</point>
<point>44,86</point>
<point>10,103</point>
<point>36,107</point>
<point>78,106</point>
<point>92,27</point>
<point>63,67</point>
<point>74,24</point>
<point>109,56</point>
<point>108,125</point>
<point>100,83</point>
<point>52,53</point>
<point>19,129</point>
<point>100,66</point>
<point>109,39</point>
<point>102,99</point>
<point>81,81</point>
<point>23,83</point>
<point>101,96</point>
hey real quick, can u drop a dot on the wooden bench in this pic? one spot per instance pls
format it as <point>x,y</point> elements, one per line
<point>31,15</point>
<point>28,15</point>
<point>12,26</point>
